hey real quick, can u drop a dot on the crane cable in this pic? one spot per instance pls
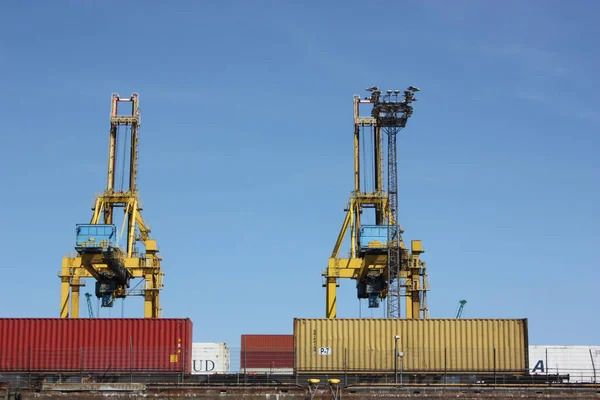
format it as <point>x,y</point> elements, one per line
<point>371,159</point>
<point>366,159</point>
<point>361,160</point>
<point>121,131</point>
<point>124,156</point>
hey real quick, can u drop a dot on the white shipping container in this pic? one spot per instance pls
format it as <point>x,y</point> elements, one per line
<point>581,363</point>
<point>210,358</point>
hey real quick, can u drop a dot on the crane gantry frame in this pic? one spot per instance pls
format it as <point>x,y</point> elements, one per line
<point>381,270</point>
<point>113,267</point>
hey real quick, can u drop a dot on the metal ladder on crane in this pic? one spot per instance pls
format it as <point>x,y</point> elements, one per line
<point>88,298</point>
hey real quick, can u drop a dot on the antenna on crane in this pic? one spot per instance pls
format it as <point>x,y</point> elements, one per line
<point>460,308</point>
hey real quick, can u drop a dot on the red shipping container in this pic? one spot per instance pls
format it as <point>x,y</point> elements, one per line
<point>95,345</point>
<point>267,351</point>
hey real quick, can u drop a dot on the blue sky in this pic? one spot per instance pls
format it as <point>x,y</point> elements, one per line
<point>246,151</point>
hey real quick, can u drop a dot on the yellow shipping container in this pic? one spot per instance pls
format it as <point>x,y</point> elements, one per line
<point>423,345</point>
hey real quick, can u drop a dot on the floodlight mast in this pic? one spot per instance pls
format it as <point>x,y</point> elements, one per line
<point>380,263</point>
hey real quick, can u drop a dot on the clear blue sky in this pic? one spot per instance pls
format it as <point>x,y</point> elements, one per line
<point>246,151</point>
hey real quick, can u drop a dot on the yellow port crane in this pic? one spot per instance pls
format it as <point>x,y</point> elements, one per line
<point>378,258</point>
<point>98,254</point>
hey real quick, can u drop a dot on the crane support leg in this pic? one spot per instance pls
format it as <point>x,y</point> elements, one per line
<point>416,303</point>
<point>65,289</point>
<point>331,311</point>
<point>409,307</point>
<point>155,296</point>
<point>64,300</point>
<point>75,297</point>
<point>151,299</point>
<point>413,298</point>
<point>415,295</point>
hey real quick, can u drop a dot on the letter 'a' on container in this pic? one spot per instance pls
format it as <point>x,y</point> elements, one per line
<point>424,345</point>
<point>580,363</point>
<point>104,345</point>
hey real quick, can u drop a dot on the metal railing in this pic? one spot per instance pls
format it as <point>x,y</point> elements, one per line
<point>266,365</point>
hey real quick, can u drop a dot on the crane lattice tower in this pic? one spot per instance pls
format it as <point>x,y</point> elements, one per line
<point>378,259</point>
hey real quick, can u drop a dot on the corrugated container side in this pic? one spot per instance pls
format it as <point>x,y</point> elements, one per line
<point>581,363</point>
<point>428,345</point>
<point>277,358</point>
<point>210,358</point>
<point>266,352</point>
<point>268,342</point>
<point>98,344</point>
